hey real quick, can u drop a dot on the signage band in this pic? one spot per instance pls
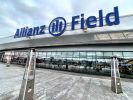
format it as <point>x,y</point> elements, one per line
<point>58,25</point>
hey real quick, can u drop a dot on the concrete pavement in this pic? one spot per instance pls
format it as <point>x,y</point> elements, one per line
<point>59,85</point>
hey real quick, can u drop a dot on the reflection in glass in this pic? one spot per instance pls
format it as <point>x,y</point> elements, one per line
<point>90,62</point>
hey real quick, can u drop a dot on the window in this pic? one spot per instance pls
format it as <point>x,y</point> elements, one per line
<point>128,54</point>
<point>83,55</point>
<point>108,55</point>
<point>63,55</point>
<point>99,55</point>
<point>48,54</point>
<point>90,56</point>
<point>69,55</point>
<point>75,55</point>
<point>118,54</point>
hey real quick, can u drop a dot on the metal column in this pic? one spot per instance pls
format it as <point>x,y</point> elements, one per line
<point>115,76</point>
<point>27,86</point>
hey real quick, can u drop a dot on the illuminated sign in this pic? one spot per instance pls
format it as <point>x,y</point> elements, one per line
<point>58,25</point>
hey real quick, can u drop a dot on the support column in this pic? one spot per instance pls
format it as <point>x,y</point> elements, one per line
<point>2,56</point>
<point>27,86</point>
<point>115,76</point>
<point>8,58</point>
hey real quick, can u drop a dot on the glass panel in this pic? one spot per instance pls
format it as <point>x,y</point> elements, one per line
<point>39,54</point>
<point>76,55</point>
<point>118,54</point>
<point>53,54</point>
<point>90,56</point>
<point>99,55</point>
<point>126,65</point>
<point>100,63</point>
<point>128,54</point>
<point>108,54</point>
<point>89,64</point>
<point>90,53</point>
<point>83,55</point>
<point>44,55</point>
<point>82,63</point>
<point>107,62</point>
<point>58,55</point>
<point>64,54</point>
<point>69,55</point>
<point>48,54</point>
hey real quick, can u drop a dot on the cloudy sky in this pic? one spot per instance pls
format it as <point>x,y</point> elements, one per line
<point>20,13</point>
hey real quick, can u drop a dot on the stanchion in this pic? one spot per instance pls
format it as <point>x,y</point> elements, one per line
<point>115,76</point>
<point>27,86</point>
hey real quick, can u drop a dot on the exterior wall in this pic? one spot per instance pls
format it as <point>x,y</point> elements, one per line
<point>72,40</point>
<point>116,47</point>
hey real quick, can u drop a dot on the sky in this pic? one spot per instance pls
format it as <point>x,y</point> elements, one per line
<point>21,13</point>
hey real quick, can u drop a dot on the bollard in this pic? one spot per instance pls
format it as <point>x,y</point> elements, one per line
<point>115,76</point>
<point>27,86</point>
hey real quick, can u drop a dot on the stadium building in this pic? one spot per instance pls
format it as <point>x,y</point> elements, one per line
<point>87,50</point>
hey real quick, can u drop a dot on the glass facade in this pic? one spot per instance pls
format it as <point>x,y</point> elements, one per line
<point>90,62</point>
